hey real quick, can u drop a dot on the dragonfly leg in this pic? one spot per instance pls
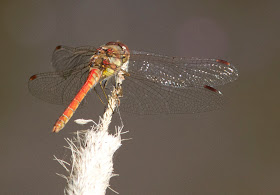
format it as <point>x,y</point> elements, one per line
<point>98,95</point>
<point>103,85</point>
<point>125,73</point>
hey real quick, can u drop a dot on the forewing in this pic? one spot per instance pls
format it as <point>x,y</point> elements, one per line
<point>66,58</point>
<point>181,72</point>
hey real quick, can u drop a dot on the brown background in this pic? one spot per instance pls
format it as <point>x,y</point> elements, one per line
<point>231,151</point>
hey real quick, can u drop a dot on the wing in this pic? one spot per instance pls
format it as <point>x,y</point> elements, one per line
<point>61,86</point>
<point>66,58</point>
<point>56,89</point>
<point>181,72</point>
<point>161,84</point>
<point>143,96</point>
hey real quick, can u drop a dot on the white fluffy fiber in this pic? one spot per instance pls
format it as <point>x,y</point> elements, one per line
<point>92,161</point>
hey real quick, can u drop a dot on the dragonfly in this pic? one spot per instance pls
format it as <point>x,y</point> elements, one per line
<point>154,83</point>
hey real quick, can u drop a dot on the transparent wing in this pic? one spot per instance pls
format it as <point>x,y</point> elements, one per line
<point>54,88</point>
<point>71,66</point>
<point>162,84</point>
<point>143,96</point>
<point>181,72</point>
<point>66,58</point>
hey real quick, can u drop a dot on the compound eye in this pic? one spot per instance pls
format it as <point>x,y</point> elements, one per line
<point>121,45</point>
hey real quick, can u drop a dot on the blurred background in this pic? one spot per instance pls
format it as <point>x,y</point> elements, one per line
<point>234,150</point>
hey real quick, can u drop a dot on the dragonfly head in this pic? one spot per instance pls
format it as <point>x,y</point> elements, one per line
<point>110,57</point>
<point>122,49</point>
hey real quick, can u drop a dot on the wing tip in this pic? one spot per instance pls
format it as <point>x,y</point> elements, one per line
<point>33,77</point>
<point>58,47</point>
<point>212,89</point>
<point>223,62</point>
